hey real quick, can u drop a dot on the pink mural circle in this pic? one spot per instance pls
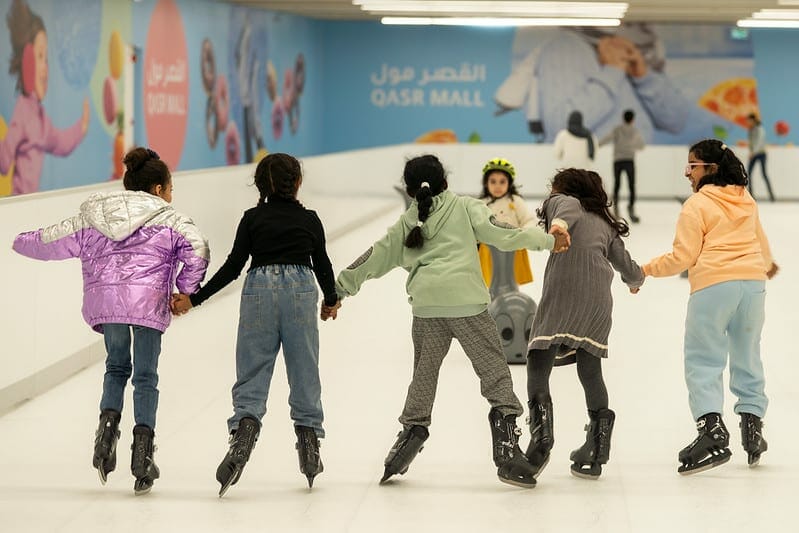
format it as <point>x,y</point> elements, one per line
<point>166,83</point>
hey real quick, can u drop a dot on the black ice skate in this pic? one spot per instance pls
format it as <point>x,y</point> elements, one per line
<point>142,465</point>
<point>410,441</point>
<point>512,465</point>
<point>308,452</point>
<point>242,441</point>
<point>752,438</point>
<point>709,449</point>
<point>105,444</point>
<point>542,436</point>
<point>587,460</point>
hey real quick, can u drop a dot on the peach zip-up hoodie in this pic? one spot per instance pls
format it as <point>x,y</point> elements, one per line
<point>719,238</point>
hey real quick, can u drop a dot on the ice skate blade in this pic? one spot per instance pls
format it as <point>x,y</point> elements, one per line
<point>516,483</point>
<point>585,475</point>
<point>141,491</point>
<point>310,481</point>
<point>231,481</point>
<point>103,476</point>
<point>684,471</point>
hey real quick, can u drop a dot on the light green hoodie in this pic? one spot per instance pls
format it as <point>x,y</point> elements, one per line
<point>444,274</point>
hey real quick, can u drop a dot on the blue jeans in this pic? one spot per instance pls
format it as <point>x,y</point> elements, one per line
<point>118,369</point>
<point>723,319</point>
<point>278,308</point>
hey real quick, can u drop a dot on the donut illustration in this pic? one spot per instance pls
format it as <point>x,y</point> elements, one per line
<point>222,99</point>
<point>232,144</point>
<point>211,122</point>
<point>208,65</point>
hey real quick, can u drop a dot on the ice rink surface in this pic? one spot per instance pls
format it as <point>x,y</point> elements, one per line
<point>48,483</point>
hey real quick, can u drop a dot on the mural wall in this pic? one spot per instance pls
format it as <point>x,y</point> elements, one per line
<point>216,84</point>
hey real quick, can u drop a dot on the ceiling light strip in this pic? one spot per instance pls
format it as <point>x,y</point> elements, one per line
<point>500,21</point>
<point>764,23</point>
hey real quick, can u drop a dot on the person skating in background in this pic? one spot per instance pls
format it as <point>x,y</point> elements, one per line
<point>626,141</point>
<point>721,242</point>
<point>757,153</point>
<point>501,196</point>
<point>131,245</point>
<point>576,145</point>
<point>435,241</point>
<point>278,309</point>
<point>574,317</point>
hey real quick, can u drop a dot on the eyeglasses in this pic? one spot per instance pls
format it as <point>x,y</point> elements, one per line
<point>690,166</point>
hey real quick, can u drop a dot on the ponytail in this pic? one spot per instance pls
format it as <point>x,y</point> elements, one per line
<point>424,201</point>
<point>424,179</point>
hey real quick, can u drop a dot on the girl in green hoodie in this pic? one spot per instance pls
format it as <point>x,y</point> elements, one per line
<point>435,241</point>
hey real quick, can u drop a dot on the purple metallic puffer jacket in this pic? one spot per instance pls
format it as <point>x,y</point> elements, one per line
<point>131,245</point>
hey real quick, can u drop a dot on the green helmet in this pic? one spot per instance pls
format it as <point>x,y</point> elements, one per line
<point>499,163</point>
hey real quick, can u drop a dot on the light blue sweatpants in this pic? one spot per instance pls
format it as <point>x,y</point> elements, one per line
<point>723,319</point>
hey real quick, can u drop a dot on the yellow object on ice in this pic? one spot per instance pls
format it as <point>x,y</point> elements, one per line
<point>522,272</point>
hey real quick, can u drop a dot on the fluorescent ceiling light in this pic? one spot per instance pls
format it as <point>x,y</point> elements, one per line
<point>777,14</point>
<point>483,7</point>
<point>499,21</point>
<point>763,23</point>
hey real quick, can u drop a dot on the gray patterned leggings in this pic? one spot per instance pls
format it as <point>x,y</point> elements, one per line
<point>480,340</point>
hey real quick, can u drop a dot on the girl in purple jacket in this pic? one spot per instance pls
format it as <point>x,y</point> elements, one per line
<point>130,244</point>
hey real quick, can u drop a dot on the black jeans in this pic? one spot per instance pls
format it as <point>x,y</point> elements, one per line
<point>754,159</point>
<point>628,166</point>
<point>589,370</point>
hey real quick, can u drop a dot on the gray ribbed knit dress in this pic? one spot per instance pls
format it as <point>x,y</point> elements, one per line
<point>576,303</point>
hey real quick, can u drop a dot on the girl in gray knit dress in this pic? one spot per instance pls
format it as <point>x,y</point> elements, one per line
<point>574,316</point>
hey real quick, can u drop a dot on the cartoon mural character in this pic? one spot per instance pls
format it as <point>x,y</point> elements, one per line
<point>30,133</point>
<point>247,68</point>
<point>600,71</point>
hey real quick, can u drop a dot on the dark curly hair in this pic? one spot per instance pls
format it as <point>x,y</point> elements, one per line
<point>427,170</point>
<point>144,170</point>
<point>586,186</point>
<point>729,169</point>
<point>278,175</point>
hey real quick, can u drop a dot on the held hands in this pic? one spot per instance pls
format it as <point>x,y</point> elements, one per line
<point>771,272</point>
<point>562,239</point>
<point>330,311</point>
<point>180,304</point>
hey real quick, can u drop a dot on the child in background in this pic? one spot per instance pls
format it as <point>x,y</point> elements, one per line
<point>278,308</point>
<point>720,241</point>
<point>130,244</point>
<point>575,312</point>
<point>31,134</point>
<point>500,195</point>
<point>434,240</point>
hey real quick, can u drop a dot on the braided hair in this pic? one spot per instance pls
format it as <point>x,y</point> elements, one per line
<point>424,178</point>
<point>278,175</point>
<point>586,186</point>
<point>144,170</point>
<point>730,170</point>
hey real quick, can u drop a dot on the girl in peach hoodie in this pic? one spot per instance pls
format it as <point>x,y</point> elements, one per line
<point>720,241</point>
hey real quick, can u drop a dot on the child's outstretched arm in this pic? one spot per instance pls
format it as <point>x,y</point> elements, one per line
<point>686,248</point>
<point>59,241</point>
<point>631,274</point>
<point>193,252</point>
<point>382,257</point>
<point>502,236</point>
